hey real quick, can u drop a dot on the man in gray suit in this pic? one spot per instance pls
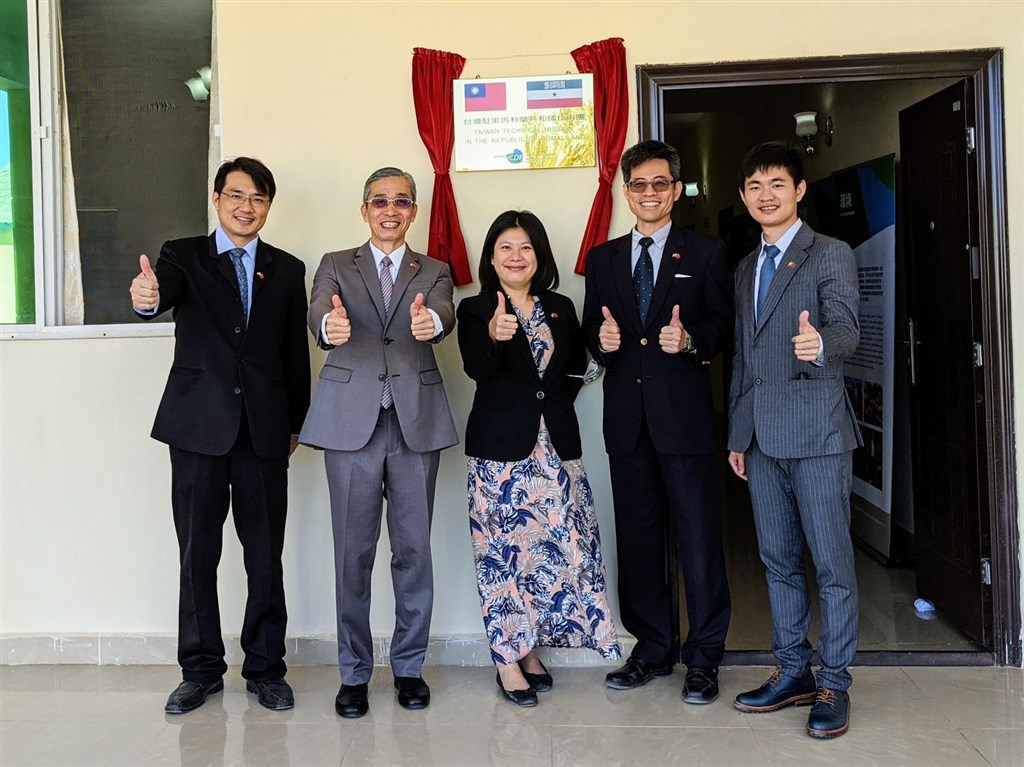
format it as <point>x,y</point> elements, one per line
<point>792,431</point>
<point>381,414</point>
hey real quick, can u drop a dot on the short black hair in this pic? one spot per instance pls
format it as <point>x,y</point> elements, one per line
<point>640,153</point>
<point>260,174</point>
<point>772,154</point>
<point>546,276</point>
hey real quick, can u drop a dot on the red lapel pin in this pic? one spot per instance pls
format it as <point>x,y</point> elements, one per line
<point>676,256</point>
<point>554,315</point>
<point>413,265</point>
<point>260,275</point>
<point>791,264</point>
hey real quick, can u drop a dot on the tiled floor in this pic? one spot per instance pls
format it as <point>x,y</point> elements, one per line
<point>113,715</point>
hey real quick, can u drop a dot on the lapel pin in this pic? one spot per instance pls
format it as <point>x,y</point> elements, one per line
<point>260,275</point>
<point>676,256</point>
<point>413,265</point>
<point>791,265</point>
<point>554,315</point>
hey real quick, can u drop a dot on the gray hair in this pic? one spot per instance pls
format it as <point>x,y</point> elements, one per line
<point>383,173</point>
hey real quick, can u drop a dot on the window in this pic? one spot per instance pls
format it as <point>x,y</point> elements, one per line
<point>119,158</point>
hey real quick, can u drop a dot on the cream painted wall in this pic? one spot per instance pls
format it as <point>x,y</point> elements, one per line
<point>321,91</point>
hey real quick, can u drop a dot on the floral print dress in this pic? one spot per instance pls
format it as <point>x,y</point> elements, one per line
<point>536,543</point>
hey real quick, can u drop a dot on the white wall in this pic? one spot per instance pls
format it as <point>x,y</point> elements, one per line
<point>321,91</point>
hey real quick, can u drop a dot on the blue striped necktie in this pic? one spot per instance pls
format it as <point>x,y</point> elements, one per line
<point>765,282</point>
<point>387,286</point>
<point>243,280</point>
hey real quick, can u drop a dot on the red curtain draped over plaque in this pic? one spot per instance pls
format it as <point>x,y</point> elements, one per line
<point>606,60</point>
<point>432,76</point>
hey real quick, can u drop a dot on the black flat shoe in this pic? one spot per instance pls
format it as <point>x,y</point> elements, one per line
<point>275,694</point>
<point>352,701</point>
<point>701,685</point>
<point>635,672</point>
<point>189,696</point>
<point>413,692</point>
<point>540,682</point>
<point>525,698</point>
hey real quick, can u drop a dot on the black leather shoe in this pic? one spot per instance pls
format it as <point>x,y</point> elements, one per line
<point>541,682</point>
<point>275,694</point>
<point>525,698</point>
<point>413,692</point>
<point>634,673</point>
<point>830,714</point>
<point>701,685</point>
<point>778,692</point>
<point>189,696</point>
<point>352,702</point>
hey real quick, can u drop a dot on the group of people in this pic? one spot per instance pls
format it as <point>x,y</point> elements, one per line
<point>658,308</point>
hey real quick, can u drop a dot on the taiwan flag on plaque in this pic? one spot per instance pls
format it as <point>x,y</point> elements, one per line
<point>554,94</point>
<point>485,97</point>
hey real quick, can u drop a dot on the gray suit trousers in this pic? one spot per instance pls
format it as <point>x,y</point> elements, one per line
<point>358,481</point>
<point>797,500</point>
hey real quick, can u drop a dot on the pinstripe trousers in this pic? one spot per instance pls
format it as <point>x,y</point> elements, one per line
<point>797,500</point>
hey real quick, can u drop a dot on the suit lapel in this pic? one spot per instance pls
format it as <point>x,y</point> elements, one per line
<point>559,337</point>
<point>790,263</point>
<point>264,269</point>
<point>222,264</point>
<point>672,258</point>
<point>622,272</point>
<point>409,266</point>
<point>368,271</point>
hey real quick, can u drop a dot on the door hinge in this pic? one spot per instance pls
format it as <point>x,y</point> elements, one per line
<point>977,354</point>
<point>986,571</point>
<point>970,140</point>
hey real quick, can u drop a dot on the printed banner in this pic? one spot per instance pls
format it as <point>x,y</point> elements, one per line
<point>517,123</point>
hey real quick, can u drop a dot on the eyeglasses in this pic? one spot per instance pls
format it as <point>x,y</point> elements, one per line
<point>257,201</point>
<point>380,203</point>
<point>658,185</point>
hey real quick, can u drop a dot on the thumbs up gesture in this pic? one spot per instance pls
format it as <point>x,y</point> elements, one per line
<point>423,328</point>
<point>145,289</point>
<point>502,326</point>
<point>608,335</point>
<point>807,342</point>
<point>673,337</point>
<point>338,327</point>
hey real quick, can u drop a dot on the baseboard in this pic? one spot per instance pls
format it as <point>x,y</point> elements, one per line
<point>159,649</point>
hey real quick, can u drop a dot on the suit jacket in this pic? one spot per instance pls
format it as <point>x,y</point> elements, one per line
<point>796,409</point>
<point>510,394</point>
<point>672,390</point>
<point>346,404</point>
<point>220,364</point>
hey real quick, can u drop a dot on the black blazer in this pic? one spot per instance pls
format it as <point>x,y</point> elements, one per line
<point>219,363</point>
<point>672,391</point>
<point>510,395</point>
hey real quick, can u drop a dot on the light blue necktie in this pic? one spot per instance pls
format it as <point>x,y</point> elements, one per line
<point>643,278</point>
<point>765,282</point>
<point>243,279</point>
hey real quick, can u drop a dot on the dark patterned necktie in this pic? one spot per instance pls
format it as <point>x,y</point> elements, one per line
<point>243,279</point>
<point>643,278</point>
<point>387,287</point>
<point>765,281</point>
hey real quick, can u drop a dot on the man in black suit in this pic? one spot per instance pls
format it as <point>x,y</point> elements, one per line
<point>234,403</point>
<point>657,310</point>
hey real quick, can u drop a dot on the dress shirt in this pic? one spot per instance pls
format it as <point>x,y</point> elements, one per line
<point>656,249</point>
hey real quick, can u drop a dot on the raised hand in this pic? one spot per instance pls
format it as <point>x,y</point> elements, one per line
<point>673,337</point>
<point>502,326</point>
<point>608,336</point>
<point>807,342</point>
<point>145,289</point>
<point>422,325</point>
<point>338,326</point>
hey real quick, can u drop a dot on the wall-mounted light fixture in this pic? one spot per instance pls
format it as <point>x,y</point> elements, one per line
<point>199,86</point>
<point>807,129</point>
<point>694,190</point>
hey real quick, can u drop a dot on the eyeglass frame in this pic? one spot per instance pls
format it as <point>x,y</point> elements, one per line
<point>257,201</point>
<point>390,201</point>
<point>670,182</point>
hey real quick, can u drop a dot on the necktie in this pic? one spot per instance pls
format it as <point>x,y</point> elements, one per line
<point>643,278</point>
<point>243,280</point>
<point>387,286</point>
<point>765,281</point>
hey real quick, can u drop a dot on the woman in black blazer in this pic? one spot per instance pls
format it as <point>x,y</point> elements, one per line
<point>535,536</point>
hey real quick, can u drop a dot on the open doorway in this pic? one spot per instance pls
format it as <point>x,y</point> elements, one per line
<point>713,114</point>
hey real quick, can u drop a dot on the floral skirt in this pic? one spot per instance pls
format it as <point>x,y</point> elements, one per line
<point>538,555</point>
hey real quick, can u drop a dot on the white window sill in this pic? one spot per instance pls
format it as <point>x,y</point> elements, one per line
<point>66,332</point>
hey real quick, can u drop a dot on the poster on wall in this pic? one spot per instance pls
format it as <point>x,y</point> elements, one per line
<point>522,123</point>
<point>865,205</point>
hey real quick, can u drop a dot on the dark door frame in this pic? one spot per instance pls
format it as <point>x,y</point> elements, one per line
<point>985,68</point>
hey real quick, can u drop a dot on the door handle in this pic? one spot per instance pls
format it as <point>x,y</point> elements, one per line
<point>911,344</point>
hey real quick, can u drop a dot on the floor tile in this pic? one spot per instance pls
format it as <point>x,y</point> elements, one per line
<point>633,746</point>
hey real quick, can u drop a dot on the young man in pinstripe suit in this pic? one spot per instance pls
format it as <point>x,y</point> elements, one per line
<point>792,431</point>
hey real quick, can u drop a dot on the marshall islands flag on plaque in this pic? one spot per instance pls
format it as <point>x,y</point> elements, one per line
<point>516,123</point>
